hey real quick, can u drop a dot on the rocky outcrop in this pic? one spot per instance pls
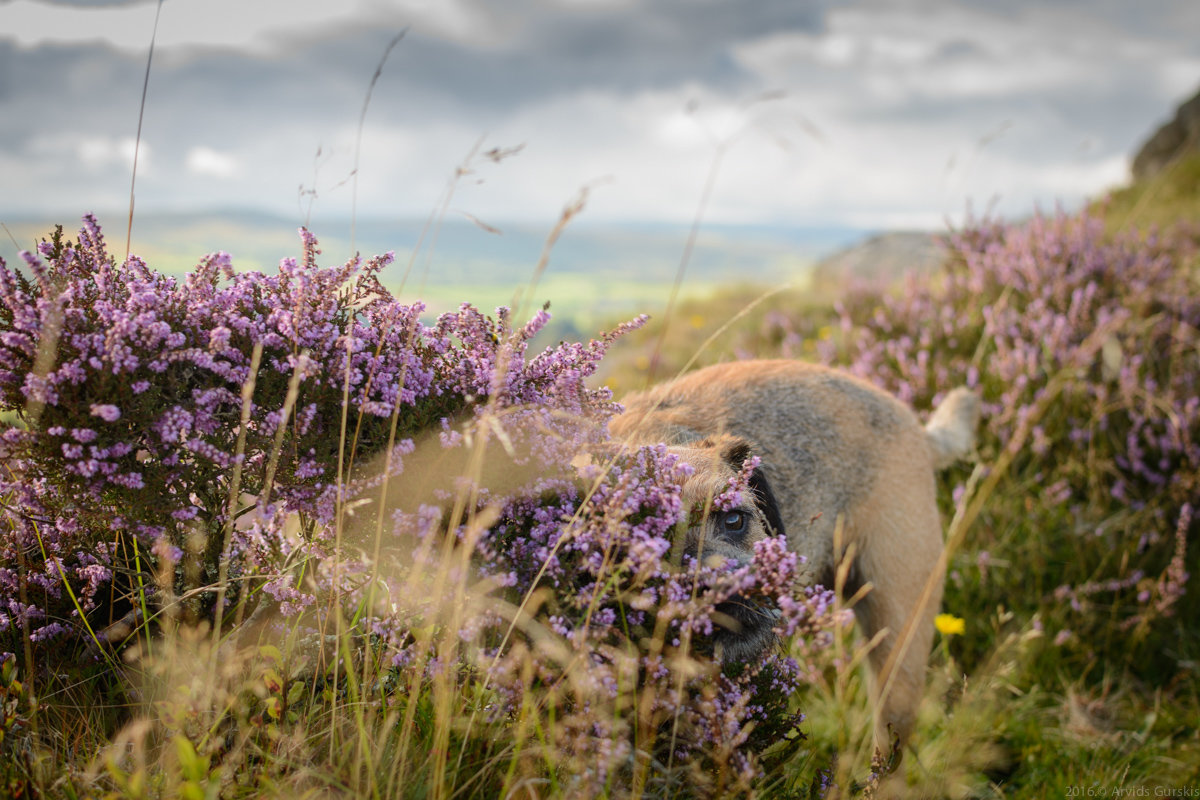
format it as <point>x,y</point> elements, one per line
<point>885,257</point>
<point>1178,137</point>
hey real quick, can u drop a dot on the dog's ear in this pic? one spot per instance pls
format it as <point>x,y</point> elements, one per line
<point>764,498</point>
<point>735,451</point>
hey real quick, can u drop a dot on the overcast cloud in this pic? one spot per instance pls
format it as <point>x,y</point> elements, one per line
<point>868,113</point>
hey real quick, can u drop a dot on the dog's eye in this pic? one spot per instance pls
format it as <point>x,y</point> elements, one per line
<point>734,522</point>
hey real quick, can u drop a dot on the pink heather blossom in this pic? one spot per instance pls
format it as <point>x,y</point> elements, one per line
<point>106,412</point>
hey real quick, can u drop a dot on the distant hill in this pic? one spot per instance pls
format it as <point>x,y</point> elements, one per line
<point>883,256</point>
<point>464,253</point>
<point>596,273</point>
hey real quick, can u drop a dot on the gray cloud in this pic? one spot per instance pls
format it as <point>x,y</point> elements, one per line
<point>97,3</point>
<point>243,94</point>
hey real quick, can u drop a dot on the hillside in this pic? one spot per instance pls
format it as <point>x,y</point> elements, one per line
<point>1167,197</point>
<point>1165,189</point>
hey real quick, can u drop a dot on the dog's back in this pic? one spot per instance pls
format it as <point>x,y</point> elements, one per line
<point>820,433</point>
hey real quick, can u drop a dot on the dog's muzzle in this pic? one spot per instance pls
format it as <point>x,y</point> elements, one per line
<point>745,630</point>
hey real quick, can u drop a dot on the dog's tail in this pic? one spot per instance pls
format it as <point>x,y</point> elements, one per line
<point>951,429</point>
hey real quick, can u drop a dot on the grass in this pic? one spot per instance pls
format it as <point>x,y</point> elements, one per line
<point>1165,199</point>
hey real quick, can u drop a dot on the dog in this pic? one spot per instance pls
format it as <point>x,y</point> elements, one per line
<point>840,460</point>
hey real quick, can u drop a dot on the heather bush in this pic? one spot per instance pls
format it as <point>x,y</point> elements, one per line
<point>1085,349</point>
<point>301,457</point>
<point>128,389</point>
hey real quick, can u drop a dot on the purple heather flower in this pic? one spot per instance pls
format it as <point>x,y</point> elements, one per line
<point>106,412</point>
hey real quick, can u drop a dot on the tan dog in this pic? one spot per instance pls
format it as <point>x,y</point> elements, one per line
<point>832,447</point>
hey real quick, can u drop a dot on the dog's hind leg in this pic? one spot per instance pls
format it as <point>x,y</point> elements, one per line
<point>899,535</point>
<point>899,541</point>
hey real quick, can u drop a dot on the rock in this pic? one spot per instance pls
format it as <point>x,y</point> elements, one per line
<point>1180,135</point>
<point>885,257</point>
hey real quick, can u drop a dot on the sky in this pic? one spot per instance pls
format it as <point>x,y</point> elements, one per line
<point>863,113</point>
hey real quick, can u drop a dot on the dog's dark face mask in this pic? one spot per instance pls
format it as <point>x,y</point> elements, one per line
<point>744,632</point>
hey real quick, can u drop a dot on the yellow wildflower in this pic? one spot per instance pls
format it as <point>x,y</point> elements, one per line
<point>949,625</point>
